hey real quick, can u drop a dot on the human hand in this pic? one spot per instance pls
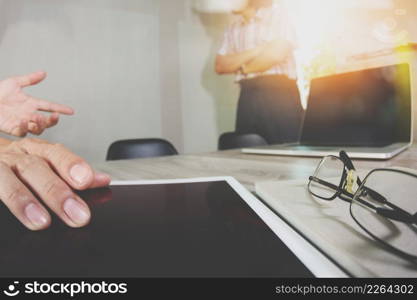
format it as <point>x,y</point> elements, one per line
<point>271,54</point>
<point>247,68</point>
<point>34,173</point>
<point>19,112</point>
<point>276,47</point>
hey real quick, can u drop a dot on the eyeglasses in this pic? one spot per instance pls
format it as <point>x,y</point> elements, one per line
<point>384,204</point>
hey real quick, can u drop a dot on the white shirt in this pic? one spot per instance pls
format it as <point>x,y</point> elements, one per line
<point>268,24</point>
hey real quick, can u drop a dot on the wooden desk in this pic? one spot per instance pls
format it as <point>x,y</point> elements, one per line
<point>246,168</point>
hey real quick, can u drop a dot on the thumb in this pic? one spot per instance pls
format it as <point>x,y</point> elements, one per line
<point>31,79</point>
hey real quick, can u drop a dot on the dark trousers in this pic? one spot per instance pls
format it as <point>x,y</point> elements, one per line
<point>270,106</point>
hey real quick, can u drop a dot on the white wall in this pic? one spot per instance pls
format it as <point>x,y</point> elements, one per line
<point>102,57</point>
<point>209,101</point>
<point>198,105</point>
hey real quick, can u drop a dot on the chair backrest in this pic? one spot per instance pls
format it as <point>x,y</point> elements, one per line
<point>233,140</point>
<point>140,148</point>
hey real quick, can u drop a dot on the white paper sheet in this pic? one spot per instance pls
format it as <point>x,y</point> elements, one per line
<point>329,226</point>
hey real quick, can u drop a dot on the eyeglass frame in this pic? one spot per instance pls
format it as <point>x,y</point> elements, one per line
<point>344,195</point>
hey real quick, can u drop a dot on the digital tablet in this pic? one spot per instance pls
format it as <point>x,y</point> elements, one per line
<point>210,227</point>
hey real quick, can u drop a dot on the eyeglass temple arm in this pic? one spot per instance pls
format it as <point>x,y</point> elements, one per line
<point>397,213</point>
<point>346,160</point>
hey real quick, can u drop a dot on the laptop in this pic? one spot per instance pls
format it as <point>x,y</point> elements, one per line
<point>367,113</point>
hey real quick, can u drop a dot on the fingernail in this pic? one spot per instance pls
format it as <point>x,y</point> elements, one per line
<point>80,173</point>
<point>103,177</point>
<point>76,211</point>
<point>36,215</point>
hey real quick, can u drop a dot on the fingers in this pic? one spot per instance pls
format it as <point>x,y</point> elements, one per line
<point>39,123</point>
<point>21,129</point>
<point>47,106</point>
<point>34,169</point>
<point>34,128</point>
<point>54,192</point>
<point>72,168</point>
<point>20,201</point>
<point>31,79</point>
<point>100,180</point>
<point>52,120</point>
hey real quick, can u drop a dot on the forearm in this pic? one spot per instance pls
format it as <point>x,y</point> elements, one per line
<point>273,54</point>
<point>231,63</point>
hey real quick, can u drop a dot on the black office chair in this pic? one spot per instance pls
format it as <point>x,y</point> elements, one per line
<point>233,140</point>
<point>140,148</point>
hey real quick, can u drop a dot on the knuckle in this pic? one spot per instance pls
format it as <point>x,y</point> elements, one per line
<point>53,188</point>
<point>59,151</point>
<point>54,149</point>
<point>29,142</point>
<point>33,160</point>
<point>27,162</point>
<point>17,194</point>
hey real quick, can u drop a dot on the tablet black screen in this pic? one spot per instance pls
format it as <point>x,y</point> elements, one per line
<point>171,230</point>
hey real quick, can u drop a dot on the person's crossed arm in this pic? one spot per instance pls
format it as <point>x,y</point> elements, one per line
<point>273,53</point>
<point>232,63</point>
<point>35,174</point>
<point>258,59</point>
<point>20,113</point>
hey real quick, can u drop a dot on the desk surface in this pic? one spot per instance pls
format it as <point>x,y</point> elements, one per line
<point>246,168</point>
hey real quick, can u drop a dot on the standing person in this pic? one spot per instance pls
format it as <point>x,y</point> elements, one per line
<point>259,48</point>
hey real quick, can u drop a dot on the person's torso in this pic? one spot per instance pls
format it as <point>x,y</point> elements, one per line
<point>258,30</point>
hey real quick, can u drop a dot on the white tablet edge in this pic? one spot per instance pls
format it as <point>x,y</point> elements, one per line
<point>310,256</point>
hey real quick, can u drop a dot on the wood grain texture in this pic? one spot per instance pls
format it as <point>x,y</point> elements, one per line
<point>246,168</point>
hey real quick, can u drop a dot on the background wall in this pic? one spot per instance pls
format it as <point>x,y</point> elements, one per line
<point>102,57</point>
<point>139,68</point>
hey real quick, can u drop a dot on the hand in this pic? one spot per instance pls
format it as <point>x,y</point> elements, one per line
<point>257,51</point>
<point>279,46</point>
<point>34,173</point>
<point>247,13</point>
<point>271,54</point>
<point>19,112</point>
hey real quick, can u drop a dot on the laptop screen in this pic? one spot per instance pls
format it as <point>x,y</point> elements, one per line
<point>370,107</point>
